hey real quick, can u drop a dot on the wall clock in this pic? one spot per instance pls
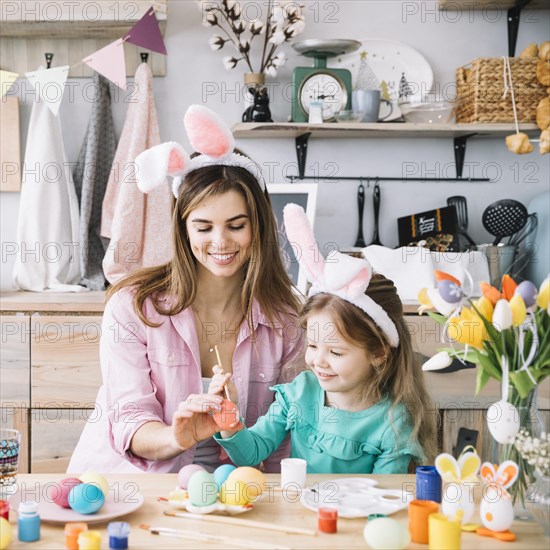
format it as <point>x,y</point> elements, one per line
<point>329,86</point>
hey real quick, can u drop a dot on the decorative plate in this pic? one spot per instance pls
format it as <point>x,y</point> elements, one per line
<point>389,61</point>
<point>179,499</point>
<point>128,500</point>
<point>355,497</point>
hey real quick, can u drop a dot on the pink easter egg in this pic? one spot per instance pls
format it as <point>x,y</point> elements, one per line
<point>184,475</point>
<point>59,492</point>
<point>227,416</point>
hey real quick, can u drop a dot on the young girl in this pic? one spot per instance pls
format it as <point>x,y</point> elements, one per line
<point>362,407</point>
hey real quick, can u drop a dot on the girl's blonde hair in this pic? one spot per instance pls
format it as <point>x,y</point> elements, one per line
<point>399,377</point>
<point>265,277</point>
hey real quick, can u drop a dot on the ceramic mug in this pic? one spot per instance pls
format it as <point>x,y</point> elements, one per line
<point>369,102</point>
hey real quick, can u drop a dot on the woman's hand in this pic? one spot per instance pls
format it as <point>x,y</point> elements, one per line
<point>193,421</point>
<point>221,381</point>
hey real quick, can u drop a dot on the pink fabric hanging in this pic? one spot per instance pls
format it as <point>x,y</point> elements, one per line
<point>137,224</point>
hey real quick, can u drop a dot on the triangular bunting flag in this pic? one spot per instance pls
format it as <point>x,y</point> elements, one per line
<point>6,80</point>
<point>110,62</point>
<point>146,33</point>
<point>49,84</point>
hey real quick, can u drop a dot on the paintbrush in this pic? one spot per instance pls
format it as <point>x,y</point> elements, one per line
<point>205,537</point>
<point>242,522</point>
<point>225,388</point>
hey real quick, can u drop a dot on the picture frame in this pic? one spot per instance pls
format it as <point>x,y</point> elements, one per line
<point>305,195</point>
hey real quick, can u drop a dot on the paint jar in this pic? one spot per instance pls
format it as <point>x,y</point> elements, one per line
<point>118,535</point>
<point>327,520</point>
<point>89,540</point>
<point>444,533</point>
<point>5,510</point>
<point>419,512</point>
<point>72,530</point>
<point>28,522</point>
<point>428,483</point>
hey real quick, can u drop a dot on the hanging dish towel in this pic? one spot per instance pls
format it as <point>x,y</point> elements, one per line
<point>90,178</point>
<point>47,225</point>
<point>137,224</point>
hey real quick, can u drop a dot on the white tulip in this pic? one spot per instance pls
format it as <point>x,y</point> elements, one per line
<point>502,315</point>
<point>438,361</point>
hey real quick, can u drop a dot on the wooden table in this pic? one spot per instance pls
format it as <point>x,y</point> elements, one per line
<point>272,508</point>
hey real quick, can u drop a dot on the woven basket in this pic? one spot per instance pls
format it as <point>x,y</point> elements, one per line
<point>480,87</point>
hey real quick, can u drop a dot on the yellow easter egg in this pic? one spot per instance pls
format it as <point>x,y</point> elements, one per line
<point>96,479</point>
<point>234,493</point>
<point>6,533</point>
<point>252,478</point>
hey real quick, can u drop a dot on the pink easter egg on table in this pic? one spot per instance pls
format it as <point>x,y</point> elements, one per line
<point>184,475</point>
<point>59,492</point>
<point>228,415</point>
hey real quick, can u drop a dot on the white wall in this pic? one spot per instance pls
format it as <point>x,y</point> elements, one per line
<point>446,40</point>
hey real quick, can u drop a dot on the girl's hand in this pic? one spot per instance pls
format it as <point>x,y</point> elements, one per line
<point>193,421</point>
<point>221,381</point>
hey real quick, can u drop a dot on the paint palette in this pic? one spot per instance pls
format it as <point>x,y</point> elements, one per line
<point>355,497</point>
<point>179,498</point>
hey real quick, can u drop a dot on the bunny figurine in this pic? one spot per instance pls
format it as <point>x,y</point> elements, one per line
<point>460,475</point>
<point>496,508</point>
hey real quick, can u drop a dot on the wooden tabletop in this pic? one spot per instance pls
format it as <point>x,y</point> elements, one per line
<point>273,508</point>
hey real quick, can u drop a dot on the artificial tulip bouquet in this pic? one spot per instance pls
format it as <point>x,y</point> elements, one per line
<point>506,333</point>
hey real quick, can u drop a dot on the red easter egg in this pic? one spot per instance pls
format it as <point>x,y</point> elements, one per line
<point>227,416</point>
<point>59,492</point>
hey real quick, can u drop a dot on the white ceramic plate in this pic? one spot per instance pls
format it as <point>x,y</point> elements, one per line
<point>127,500</point>
<point>389,60</point>
<point>355,497</point>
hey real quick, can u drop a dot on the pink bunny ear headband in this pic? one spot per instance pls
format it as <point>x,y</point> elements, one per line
<point>208,135</point>
<point>341,275</point>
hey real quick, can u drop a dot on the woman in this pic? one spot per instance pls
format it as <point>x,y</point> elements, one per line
<point>226,286</point>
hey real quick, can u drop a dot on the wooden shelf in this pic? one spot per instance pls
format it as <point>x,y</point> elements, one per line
<point>489,4</point>
<point>103,19</point>
<point>375,130</point>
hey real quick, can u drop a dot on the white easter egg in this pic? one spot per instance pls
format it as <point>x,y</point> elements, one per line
<point>386,534</point>
<point>503,421</point>
<point>496,510</point>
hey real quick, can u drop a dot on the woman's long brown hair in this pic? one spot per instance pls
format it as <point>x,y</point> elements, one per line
<point>265,277</point>
<point>399,378</point>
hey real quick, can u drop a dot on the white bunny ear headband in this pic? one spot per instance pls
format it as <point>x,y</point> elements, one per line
<point>340,274</point>
<point>208,135</point>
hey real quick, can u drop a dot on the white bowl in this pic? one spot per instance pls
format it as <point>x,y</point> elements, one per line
<point>349,116</point>
<point>428,112</point>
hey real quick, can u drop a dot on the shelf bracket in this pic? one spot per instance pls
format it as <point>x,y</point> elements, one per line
<point>301,153</point>
<point>460,152</point>
<point>513,25</point>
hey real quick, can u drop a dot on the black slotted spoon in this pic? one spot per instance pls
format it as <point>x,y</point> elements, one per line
<point>503,218</point>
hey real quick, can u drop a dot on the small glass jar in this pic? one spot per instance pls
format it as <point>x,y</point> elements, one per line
<point>28,523</point>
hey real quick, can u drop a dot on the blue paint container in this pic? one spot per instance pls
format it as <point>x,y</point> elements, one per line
<point>428,483</point>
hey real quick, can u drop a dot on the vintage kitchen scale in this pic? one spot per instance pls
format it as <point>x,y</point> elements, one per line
<point>330,86</point>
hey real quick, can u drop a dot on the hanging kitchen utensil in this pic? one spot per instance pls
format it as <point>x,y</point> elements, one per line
<point>360,241</point>
<point>376,206</point>
<point>504,218</point>
<point>461,207</point>
<point>531,225</point>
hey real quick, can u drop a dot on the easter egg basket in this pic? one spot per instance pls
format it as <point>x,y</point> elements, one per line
<point>179,498</point>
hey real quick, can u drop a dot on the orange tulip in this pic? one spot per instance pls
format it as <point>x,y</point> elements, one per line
<point>508,287</point>
<point>490,292</point>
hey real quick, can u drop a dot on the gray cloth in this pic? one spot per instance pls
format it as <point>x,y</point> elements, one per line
<point>90,177</point>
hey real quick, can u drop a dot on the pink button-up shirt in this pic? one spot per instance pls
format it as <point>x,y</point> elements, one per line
<point>148,371</point>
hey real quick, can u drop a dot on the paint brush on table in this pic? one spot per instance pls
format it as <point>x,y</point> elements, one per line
<point>205,537</point>
<point>242,522</point>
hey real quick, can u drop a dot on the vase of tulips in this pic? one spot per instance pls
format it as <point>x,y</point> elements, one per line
<point>506,333</point>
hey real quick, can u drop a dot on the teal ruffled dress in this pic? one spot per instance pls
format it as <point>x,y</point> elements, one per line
<point>329,439</point>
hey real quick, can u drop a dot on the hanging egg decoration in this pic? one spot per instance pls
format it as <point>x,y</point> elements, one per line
<point>503,421</point>
<point>528,291</point>
<point>449,291</point>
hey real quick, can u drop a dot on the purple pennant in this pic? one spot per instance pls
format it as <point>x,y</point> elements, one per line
<point>146,33</point>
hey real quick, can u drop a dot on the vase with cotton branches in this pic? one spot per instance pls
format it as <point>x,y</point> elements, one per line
<point>255,41</point>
